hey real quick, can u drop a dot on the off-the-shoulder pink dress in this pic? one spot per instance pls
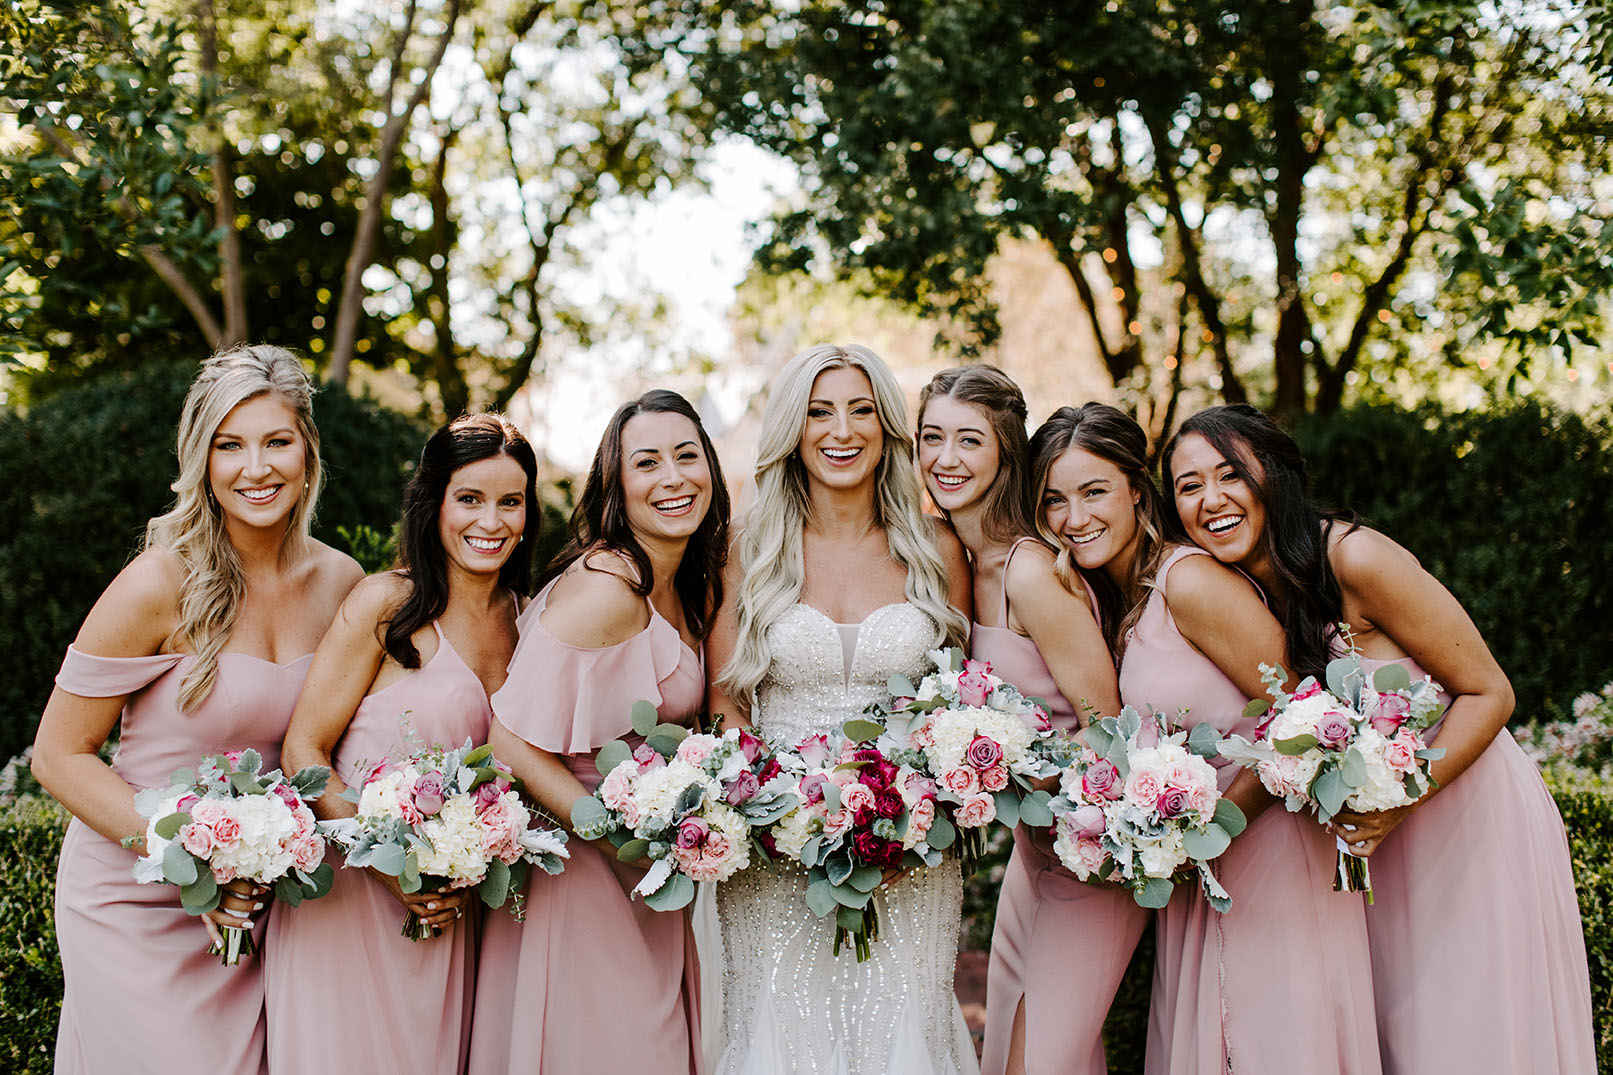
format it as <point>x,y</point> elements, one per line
<point>346,991</point>
<point>1478,956</point>
<point>1282,982</point>
<point>591,981</point>
<point>1060,944</point>
<point>140,984</point>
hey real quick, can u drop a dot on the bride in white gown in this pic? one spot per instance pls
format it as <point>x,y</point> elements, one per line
<point>837,581</point>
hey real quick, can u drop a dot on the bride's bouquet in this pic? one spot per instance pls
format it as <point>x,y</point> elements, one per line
<point>687,802</point>
<point>981,741</point>
<point>228,819</point>
<point>1140,807</point>
<point>856,813</point>
<point>443,819</point>
<point>1356,746</point>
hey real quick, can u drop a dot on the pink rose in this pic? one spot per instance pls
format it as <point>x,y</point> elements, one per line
<point>1201,799</point>
<point>233,757</point>
<point>1089,856</point>
<point>923,737</point>
<point>185,804</point>
<point>408,811</point>
<point>707,862</point>
<point>1148,732</point>
<point>836,823</point>
<point>961,781</point>
<point>302,820</point>
<point>918,786</point>
<point>1309,689</point>
<point>1400,754</point>
<point>691,832</point>
<point>287,795</point>
<point>428,794</point>
<point>856,798</point>
<point>226,832</point>
<point>983,752</point>
<point>973,686</point>
<point>744,786</point>
<point>197,839</point>
<point>207,812</point>
<point>814,749</point>
<point>487,794</point>
<point>223,874</point>
<point>1281,776</point>
<point>1101,780</point>
<point>750,746</point>
<point>812,787</point>
<point>920,817</point>
<point>1333,730</point>
<point>1390,713</point>
<point>1037,718</point>
<point>1185,776</point>
<point>695,749</point>
<point>616,790</point>
<point>995,778</point>
<point>1144,786</point>
<point>1086,822</point>
<point>647,757</point>
<point>976,810</point>
<point>375,773</point>
<point>1171,803</point>
<point>307,853</point>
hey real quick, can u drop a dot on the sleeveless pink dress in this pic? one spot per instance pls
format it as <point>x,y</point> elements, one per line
<point>140,983</point>
<point>1282,982</point>
<point>404,1005</point>
<point>1478,956</point>
<point>1061,945</point>
<point>591,981</point>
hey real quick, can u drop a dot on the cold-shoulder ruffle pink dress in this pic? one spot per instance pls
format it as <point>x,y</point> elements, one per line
<point>1478,955</point>
<point>141,988</point>
<point>1060,944</point>
<point>1282,982</point>
<point>346,991</point>
<point>590,981</point>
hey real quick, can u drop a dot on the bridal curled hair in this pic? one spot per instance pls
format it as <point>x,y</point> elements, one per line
<point>1108,433</point>
<point>193,530</point>
<point>599,520</point>
<point>1295,538</point>
<point>421,558</point>
<point>770,557</point>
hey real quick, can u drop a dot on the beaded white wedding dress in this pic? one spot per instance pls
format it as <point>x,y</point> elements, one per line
<point>788,1005</point>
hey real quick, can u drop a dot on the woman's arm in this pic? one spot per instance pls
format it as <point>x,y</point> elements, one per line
<point>1386,586</point>
<point>1065,632</point>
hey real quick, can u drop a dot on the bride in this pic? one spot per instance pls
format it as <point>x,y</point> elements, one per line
<point>837,581</point>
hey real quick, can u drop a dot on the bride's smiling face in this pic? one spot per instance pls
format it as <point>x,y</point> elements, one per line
<point>842,440</point>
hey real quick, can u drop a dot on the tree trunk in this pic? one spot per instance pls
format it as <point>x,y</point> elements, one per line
<point>450,378</point>
<point>1286,58</point>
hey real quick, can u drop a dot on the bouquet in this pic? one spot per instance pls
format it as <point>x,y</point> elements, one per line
<point>856,812</point>
<point>687,802</point>
<point>444,819</point>
<point>1140,807</point>
<point>229,819</point>
<point>1356,746</point>
<point>980,740</point>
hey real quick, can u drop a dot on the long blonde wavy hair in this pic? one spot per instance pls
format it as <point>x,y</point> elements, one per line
<point>193,532</point>
<point>770,557</point>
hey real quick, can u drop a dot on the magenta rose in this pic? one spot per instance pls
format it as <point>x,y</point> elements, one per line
<point>287,795</point>
<point>770,769</point>
<point>1390,713</point>
<point>769,842</point>
<point>1171,803</point>
<point>877,852</point>
<point>428,794</point>
<point>984,752</point>
<point>973,686</point>
<point>691,832</point>
<point>647,757</point>
<point>814,749</point>
<point>750,746</point>
<point>1101,780</point>
<point>487,794</point>
<point>812,787</point>
<point>744,786</point>
<point>877,772</point>
<point>1333,730</point>
<point>1309,689</point>
<point>888,803</point>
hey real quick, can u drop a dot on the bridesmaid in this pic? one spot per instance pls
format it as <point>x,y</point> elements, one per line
<point>1281,983</point>
<point>198,646</point>
<point>594,981</point>
<point>1037,625</point>
<point>1478,957</point>
<point>409,662</point>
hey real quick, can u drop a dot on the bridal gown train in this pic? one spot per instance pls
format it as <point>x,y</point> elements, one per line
<point>789,1005</point>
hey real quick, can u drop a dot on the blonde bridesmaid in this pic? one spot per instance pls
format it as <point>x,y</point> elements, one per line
<point>199,646</point>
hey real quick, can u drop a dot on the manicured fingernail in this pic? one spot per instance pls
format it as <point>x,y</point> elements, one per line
<point>257,906</point>
<point>431,906</point>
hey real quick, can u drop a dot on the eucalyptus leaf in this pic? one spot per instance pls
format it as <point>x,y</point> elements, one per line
<point>1207,844</point>
<point>941,834</point>
<point>820,897</point>
<point>1329,790</point>
<point>811,849</point>
<point>201,895</point>
<point>900,686</point>
<point>1256,708</point>
<point>589,817</point>
<point>645,717</point>
<point>1154,892</point>
<point>633,850</point>
<point>1391,677</point>
<point>677,893</point>
<point>184,777</point>
<point>1230,817</point>
<point>954,659</point>
<point>476,757</point>
<point>168,827</point>
<point>865,878</point>
<point>388,859</point>
<point>1007,807</point>
<point>611,755</point>
<point>1294,746</point>
<point>849,919</point>
<point>1339,671</point>
<point>1354,767</point>
<point>861,731</point>
<point>838,867</point>
<point>288,891</point>
<point>1204,740</point>
<point>321,878</point>
<point>179,866</point>
<point>847,896</point>
<point>1034,810</point>
<point>495,887</point>
<point>409,878</point>
<point>665,738</point>
<point>247,784</point>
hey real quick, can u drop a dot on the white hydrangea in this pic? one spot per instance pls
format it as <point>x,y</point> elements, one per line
<point>657,791</point>
<point>1384,788</point>
<point>266,824</point>
<point>456,843</point>
<point>1161,856</point>
<point>1302,715</point>
<point>791,833</point>
<point>379,798</point>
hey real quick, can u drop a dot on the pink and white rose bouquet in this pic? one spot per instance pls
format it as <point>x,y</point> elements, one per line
<point>687,802</point>
<point>1140,807</point>
<point>1357,745</point>
<point>228,819</point>
<point>442,819</point>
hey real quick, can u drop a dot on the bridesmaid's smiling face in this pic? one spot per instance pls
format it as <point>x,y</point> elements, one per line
<point>958,453</point>
<point>257,463</point>
<point>483,514</point>
<point>666,478</point>
<point>1220,511</point>
<point>843,439</point>
<point>1090,505</point>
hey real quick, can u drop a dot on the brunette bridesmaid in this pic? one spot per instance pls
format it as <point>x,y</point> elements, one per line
<point>593,980</point>
<point>1280,983</point>
<point>1037,625</point>
<point>1478,957</point>
<point>199,646</point>
<point>409,662</point>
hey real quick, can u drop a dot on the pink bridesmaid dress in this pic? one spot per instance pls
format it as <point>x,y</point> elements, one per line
<point>1282,982</point>
<point>345,990</point>
<point>591,981</point>
<point>140,984</point>
<point>1478,957</point>
<point>1061,945</point>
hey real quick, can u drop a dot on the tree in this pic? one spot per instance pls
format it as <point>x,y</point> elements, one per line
<point>1255,187</point>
